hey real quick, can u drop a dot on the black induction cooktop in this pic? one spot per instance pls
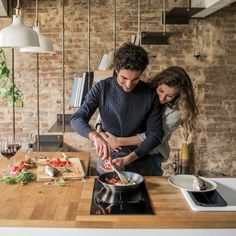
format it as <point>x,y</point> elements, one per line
<point>106,202</point>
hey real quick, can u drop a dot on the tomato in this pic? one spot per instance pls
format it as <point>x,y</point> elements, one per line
<point>23,165</point>
<point>15,169</point>
<point>58,162</point>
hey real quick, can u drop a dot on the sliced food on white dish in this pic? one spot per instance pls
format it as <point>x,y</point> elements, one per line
<point>186,182</point>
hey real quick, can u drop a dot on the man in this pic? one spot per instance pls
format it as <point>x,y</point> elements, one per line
<point>127,107</point>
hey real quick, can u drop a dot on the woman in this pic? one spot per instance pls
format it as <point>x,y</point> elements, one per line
<point>176,94</point>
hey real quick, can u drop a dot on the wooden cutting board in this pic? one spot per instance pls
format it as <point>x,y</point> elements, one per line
<point>77,171</point>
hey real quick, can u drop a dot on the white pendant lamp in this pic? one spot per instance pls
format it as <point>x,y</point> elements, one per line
<point>45,44</point>
<point>17,35</point>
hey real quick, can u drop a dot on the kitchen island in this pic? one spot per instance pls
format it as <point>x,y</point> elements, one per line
<point>37,208</point>
<point>171,211</point>
<point>41,204</point>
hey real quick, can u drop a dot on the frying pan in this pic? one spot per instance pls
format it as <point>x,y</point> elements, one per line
<point>137,178</point>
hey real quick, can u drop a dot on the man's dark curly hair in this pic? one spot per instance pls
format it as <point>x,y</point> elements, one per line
<point>131,57</point>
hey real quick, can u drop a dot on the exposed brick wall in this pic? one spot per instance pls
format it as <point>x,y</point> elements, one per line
<point>213,149</point>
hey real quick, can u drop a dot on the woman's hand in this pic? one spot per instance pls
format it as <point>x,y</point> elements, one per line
<point>99,128</point>
<point>112,140</point>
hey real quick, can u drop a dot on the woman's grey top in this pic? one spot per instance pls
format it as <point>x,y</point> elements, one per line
<point>171,119</point>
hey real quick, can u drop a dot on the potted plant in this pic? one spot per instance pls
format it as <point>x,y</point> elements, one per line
<point>8,90</point>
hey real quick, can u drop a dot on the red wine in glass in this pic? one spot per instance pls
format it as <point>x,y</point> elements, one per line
<point>9,153</point>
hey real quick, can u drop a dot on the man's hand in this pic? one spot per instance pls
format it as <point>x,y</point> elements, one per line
<point>119,162</point>
<point>106,167</point>
<point>102,147</point>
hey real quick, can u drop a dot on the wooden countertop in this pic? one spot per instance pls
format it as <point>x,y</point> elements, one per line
<point>40,205</point>
<point>171,211</point>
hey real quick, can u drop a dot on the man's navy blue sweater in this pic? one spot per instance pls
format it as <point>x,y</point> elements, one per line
<point>123,113</point>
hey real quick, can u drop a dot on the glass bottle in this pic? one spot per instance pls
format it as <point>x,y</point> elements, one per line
<point>184,159</point>
<point>29,156</point>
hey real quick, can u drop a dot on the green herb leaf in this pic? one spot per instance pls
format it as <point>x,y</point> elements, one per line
<point>8,89</point>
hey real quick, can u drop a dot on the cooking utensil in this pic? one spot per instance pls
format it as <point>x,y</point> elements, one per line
<point>137,178</point>
<point>122,177</point>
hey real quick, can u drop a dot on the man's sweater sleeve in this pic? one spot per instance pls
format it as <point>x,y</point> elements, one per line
<point>154,132</point>
<point>80,120</point>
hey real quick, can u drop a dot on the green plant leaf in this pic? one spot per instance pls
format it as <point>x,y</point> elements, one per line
<point>7,88</point>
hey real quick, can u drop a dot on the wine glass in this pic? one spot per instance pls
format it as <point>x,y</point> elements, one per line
<point>8,151</point>
<point>14,142</point>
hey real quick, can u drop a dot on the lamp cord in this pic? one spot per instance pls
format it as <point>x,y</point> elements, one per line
<point>88,37</point>
<point>139,22</point>
<point>17,10</point>
<point>63,67</point>
<point>114,28</point>
<point>164,17</point>
<point>13,94</point>
<point>38,111</point>
<point>37,11</point>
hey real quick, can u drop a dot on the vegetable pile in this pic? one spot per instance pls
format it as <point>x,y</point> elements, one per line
<point>117,181</point>
<point>23,177</point>
<point>56,167</point>
<point>20,173</point>
<point>58,163</point>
